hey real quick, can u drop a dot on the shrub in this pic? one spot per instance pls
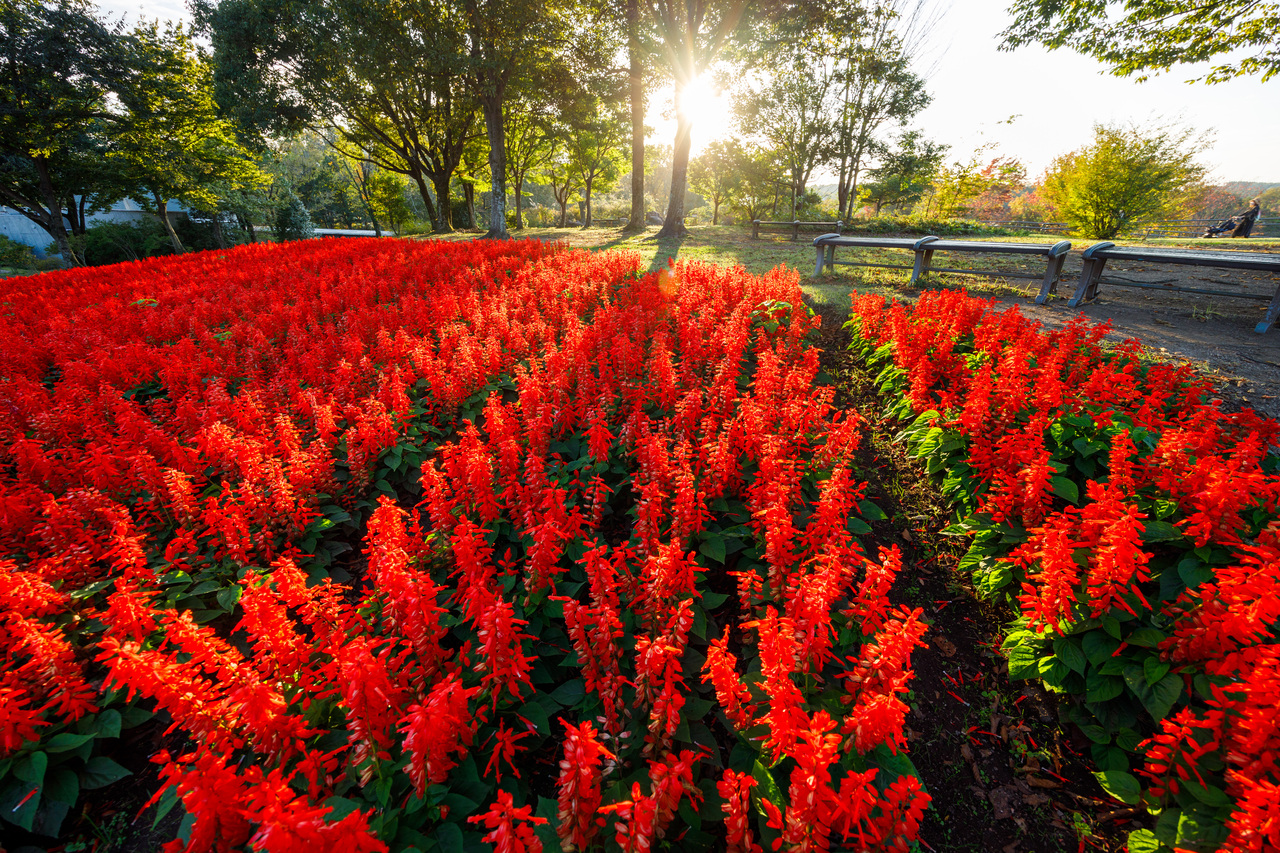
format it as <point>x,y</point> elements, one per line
<point>292,221</point>
<point>922,226</point>
<point>15,254</point>
<point>49,264</point>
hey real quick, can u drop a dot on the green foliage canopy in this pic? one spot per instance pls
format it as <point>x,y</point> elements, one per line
<point>1125,175</point>
<point>58,64</point>
<point>1141,36</point>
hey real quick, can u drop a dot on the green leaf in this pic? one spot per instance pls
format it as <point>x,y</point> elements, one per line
<point>62,785</point>
<point>1143,841</point>
<point>1154,669</point>
<point>1087,448</point>
<point>1210,796</point>
<point>870,511</point>
<point>339,807</point>
<point>1146,637</point>
<point>1098,647</point>
<point>536,714</point>
<point>66,741</point>
<point>993,579</point>
<point>1121,785</point>
<point>1066,489</point>
<point>19,805</point>
<point>101,772</point>
<point>1096,733</point>
<point>448,836</point>
<point>1070,654</point>
<point>1100,688</point>
<point>1111,625</point>
<point>712,547</point>
<point>1164,693</point>
<point>1160,531</point>
<point>1167,826</point>
<point>1157,698</point>
<point>228,597</point>
<point>49,817</point>
<point>1023,663</point>
<point>569,693</point>
<point>712,600</point>
<point>1194,572</point>
<point>109,723</point>
<point>768,786</point>
<point>32,768</point>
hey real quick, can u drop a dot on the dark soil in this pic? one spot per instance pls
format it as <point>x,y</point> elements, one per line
<point>1003,773</point>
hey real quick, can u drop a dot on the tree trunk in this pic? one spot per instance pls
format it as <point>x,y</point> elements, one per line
<point>564,210</point>
<point>497,165</point>
<point>76,216</point>
<point>586,219</point>
<point>162,208</point>
<point>217,230</point>
<point>715,212</point>
<point>853,188</point>
<point>673,226</point>
<point>445,210</point>
<point>636,222</point>
<point>426,199</point>
<point>55,227</point>
<point>519,188</point>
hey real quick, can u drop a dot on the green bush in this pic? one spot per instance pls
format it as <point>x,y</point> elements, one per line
<point>16,255</point>
<point>292,222</point>
<point>923,227</point>
<point>116,242</point>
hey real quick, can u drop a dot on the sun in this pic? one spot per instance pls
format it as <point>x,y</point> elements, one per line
<point>709,110</point>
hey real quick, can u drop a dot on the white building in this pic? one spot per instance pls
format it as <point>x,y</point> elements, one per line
<point>20,229</point>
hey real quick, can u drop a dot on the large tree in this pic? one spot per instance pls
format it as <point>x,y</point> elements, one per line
<point>596,151</point>
<point>58,68</point>
<point>171,142</point>
<point>531,142</point>
<point>1150,36</point>
<point>386,81</point>
<point>717,172</point>
<point>1125,175</point>
<point>508,38</point>
<point>873,47</point>
<point>635,80</point>
<point>794,113</point>
<point>691,33</point>
<point>904,172</point>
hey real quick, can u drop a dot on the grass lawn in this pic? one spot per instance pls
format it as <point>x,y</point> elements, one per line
<point>732,244</point>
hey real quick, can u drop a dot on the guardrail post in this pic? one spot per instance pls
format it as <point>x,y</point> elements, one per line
<point>795,230</point>
<point>755,229</point>
<point>839,226</point>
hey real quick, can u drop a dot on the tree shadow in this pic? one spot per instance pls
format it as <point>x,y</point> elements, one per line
<point>664,251</point>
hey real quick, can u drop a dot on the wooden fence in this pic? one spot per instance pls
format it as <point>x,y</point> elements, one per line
<point>1266,226</point>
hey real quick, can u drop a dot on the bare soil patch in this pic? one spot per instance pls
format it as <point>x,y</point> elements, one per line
<point>1215,333</point>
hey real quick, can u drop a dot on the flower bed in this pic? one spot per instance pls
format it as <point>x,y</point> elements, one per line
<point>1133,524</point>
<point>440,547</point>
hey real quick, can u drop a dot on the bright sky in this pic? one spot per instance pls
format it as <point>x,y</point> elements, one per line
<point>1059,95</point>
<point>1056,96</point>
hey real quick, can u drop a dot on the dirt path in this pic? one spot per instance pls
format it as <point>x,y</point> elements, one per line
<point>1213,332</point>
